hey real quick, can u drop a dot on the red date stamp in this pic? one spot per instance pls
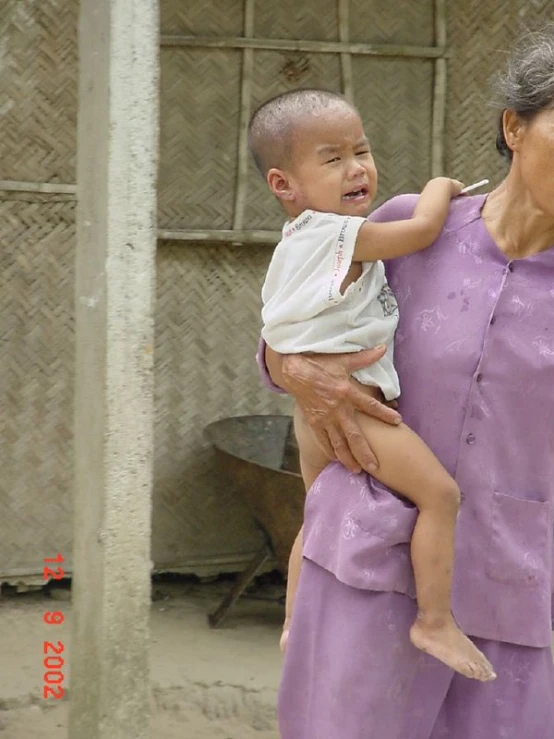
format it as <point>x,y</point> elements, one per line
<point>53,650</point>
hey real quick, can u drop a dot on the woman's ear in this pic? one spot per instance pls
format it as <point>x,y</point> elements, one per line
<point>514,127</point>
<point>279,184</point>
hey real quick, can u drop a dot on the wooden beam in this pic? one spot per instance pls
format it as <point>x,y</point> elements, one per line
<point>247,74</point>
<point>440,89</point>
<point>347,79</point>
<point>49,188</point>
<point>236,238</point>
<point>316,47</point>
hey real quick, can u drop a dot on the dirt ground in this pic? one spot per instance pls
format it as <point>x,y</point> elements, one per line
<point>216,684</point>
<point>177,723</point>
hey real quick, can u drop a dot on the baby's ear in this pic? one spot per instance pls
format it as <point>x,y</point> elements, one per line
<point>279,184</point>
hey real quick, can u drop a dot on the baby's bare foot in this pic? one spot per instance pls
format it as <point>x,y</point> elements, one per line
<point>283,641</point>
<point>284,636</point>
<point>447,643</point>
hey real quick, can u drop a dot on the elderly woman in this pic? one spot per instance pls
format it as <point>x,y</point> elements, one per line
<point>475,355</point>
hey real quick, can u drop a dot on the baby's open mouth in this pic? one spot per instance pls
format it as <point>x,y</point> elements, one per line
<point>357,194</point>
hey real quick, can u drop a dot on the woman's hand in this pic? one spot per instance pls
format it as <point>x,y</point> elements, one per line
<point>328,397</point>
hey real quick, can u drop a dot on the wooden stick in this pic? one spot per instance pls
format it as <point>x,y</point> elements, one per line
<point>320,47</point>
<point>41,187</point>
<point>236,238</point>
<point>245,107</point>
<point>440,88</point>
<point>343,15</point>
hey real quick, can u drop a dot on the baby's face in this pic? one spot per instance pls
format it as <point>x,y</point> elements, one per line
<point>333,170</point>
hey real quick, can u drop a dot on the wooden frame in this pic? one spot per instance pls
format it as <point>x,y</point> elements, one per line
<point>314,47</point>
<point>248,44</point>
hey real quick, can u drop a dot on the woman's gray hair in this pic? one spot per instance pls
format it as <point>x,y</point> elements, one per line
<point>527,85</point>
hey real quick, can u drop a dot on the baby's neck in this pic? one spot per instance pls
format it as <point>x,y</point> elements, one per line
<point>293,213</point>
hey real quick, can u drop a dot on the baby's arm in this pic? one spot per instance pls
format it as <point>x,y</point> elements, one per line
<point>377,241</point>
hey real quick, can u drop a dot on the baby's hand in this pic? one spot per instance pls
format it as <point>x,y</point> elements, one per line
<point>455,188</point>
<point>447,185</point>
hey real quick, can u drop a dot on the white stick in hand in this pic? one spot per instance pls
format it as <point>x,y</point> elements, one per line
<point>475,186</point>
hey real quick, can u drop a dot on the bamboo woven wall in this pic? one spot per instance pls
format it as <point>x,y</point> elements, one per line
<point>208,294</point>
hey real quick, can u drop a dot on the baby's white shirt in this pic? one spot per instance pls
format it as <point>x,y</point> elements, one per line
<point>304,310</point>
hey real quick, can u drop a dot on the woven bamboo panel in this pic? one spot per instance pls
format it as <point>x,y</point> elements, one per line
<point>200,18</point>
<point>198,141</point>
<point>378,22</point>
<point>293,19</point>
<point>481,34</point>
<point>275,73</point>
<point>207,328</point>
<point>38,89</point>
<point>37,242</point>
<point>398,119</point>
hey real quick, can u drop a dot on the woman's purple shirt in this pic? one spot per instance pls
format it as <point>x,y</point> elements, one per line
<point>474,351</point>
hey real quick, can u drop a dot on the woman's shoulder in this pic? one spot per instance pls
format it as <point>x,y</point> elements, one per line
<point>398,208</point>
<point>463,210</point>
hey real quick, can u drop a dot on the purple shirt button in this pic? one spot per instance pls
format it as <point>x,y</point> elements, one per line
<point>492,321</point>
<point>511,267</point>
<point>478,377</point>
<point>470,439</point>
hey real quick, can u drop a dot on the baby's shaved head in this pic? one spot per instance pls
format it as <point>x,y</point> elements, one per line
<point>272,126</point>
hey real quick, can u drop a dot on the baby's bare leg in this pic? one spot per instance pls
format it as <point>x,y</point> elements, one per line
<point>295,563</point>
<point>312,462</point>
<point>313,459</point>
<point>408,466</point>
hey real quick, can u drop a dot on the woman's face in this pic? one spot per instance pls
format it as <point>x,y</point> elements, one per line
<point>532,143</point>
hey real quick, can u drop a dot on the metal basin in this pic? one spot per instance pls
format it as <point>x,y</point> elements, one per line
<point>260,457</point>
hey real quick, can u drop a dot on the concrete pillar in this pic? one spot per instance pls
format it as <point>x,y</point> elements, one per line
<point>116,173</point>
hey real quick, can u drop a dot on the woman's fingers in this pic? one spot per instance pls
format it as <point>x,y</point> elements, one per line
<point>359,360</point>
<point>324,442</point>
<point>341,449</point>
<point>372,407</point>
<point>329,398</point>
<point>350,444</point>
